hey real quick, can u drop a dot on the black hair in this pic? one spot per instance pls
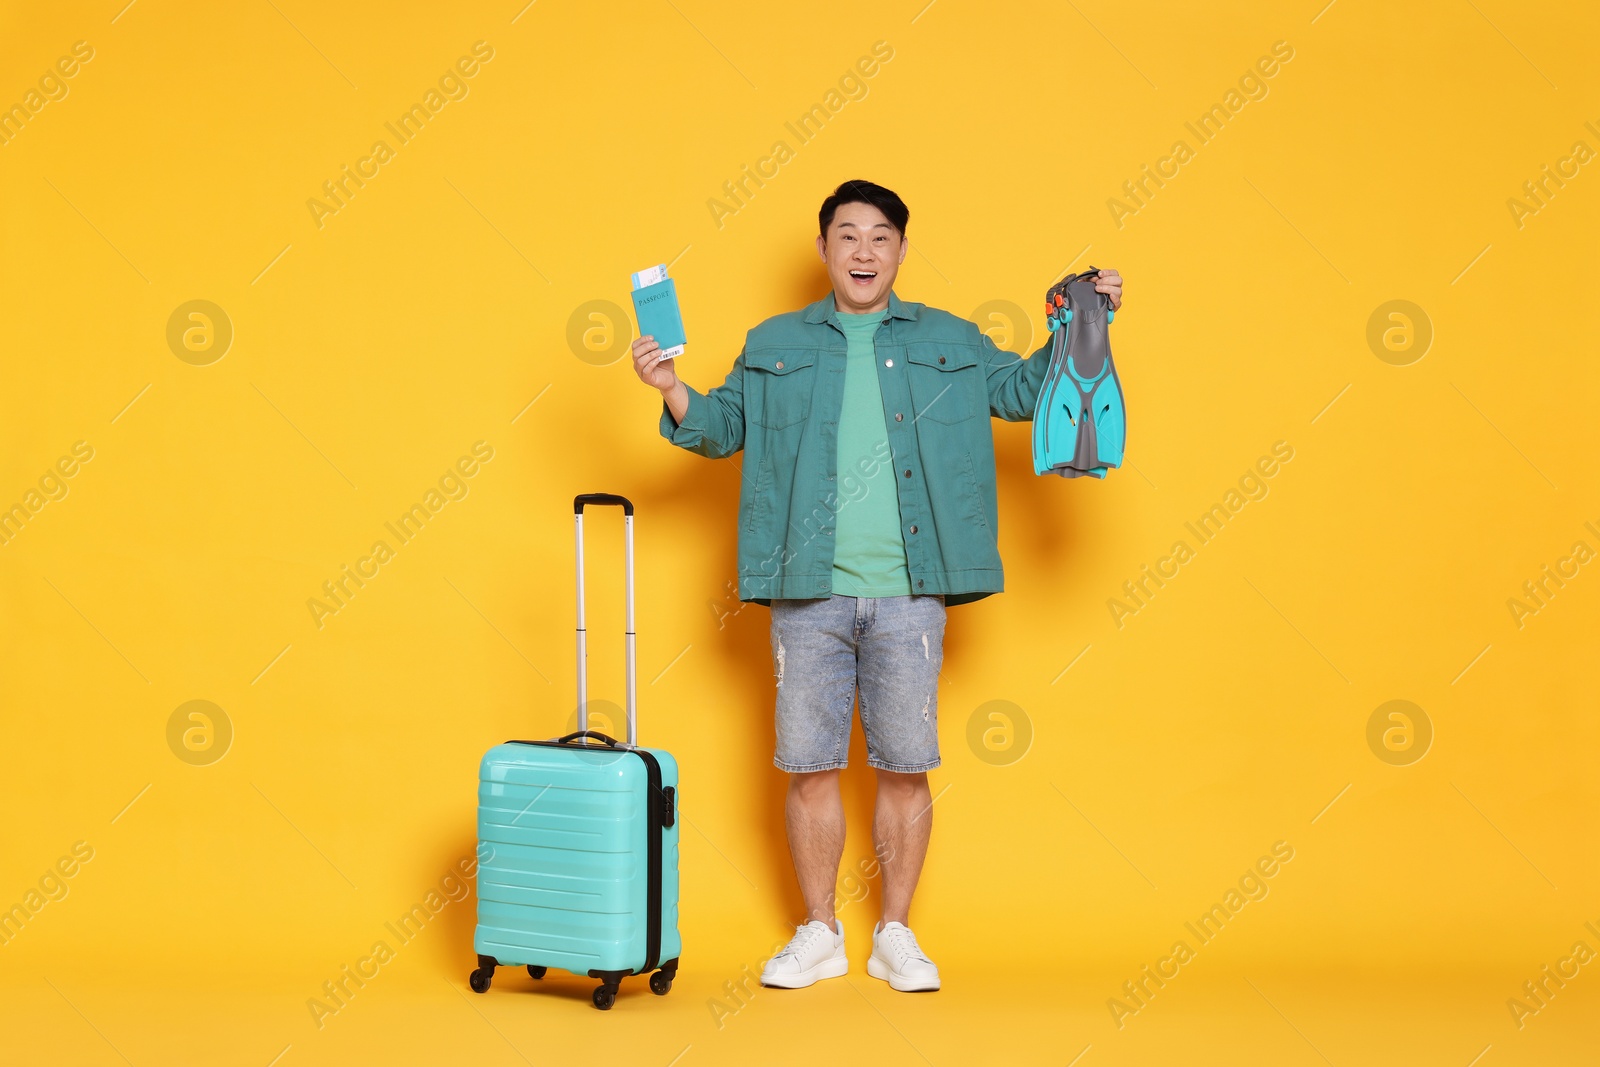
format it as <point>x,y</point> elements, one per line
<point>857,191</point>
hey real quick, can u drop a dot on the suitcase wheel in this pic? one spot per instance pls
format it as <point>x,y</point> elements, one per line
<point>535,971</point>
<point>480,978</point>
<point>605,996</point>
<point>660,983</point>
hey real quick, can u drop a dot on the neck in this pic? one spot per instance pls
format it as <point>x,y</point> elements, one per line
<point>844,303</point>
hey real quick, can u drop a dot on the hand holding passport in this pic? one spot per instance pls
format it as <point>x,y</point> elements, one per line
<point>655,301</point>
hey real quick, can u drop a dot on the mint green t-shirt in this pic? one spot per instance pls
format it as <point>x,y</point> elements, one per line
<point>869,550</point>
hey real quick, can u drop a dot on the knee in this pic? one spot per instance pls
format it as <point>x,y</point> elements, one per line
<point>814,786</point>
<point>903,786</point>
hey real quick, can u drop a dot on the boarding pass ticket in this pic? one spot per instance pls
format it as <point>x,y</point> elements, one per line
<point>649,276</point>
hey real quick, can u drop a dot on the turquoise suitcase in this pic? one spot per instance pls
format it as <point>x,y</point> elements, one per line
<point>578,841</point>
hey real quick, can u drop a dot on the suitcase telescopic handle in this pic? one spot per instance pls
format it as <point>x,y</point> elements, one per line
<point>578,504</point>
<point>581,499</point>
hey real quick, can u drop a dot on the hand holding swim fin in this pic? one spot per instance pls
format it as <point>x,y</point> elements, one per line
<point>1079,421</point>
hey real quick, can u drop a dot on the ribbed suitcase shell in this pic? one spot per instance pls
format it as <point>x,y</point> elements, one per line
<point>566,883</point>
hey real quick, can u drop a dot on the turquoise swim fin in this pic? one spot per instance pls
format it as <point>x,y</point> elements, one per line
<point>1079,421</point>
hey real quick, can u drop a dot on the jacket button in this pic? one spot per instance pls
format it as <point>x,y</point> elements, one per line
<point>919,583</point>
<point>913,528</point>
<point>779,364</point>
<point>908,472</point>
<point>888,363</point>
<point>898,417</point>
<point>941,359</point>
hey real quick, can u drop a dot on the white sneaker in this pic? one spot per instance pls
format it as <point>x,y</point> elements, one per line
<point>813,953</point>
<point>898,960</point>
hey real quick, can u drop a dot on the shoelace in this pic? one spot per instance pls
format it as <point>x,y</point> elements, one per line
<point>803,937</point>
<point>903,943</point>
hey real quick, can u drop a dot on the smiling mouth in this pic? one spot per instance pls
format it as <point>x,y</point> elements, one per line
<point>863,276</point>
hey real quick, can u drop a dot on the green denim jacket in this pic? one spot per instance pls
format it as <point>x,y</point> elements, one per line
<point>941,380</point>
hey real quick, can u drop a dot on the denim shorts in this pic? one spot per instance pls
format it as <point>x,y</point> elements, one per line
<point>824,650</point>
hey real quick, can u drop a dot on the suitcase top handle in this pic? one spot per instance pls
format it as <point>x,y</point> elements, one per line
<point>610,742</point>
<point>581,499</point>
<point>578,503</point>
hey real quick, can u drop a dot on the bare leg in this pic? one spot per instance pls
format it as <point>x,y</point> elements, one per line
<point>814,816</point>
<point>902,822</point>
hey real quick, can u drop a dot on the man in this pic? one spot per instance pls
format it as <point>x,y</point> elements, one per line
<point>867,508</point>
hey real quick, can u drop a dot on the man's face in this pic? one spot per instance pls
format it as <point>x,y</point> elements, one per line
<point>863,252</point>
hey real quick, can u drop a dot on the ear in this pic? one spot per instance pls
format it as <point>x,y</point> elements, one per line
<point>904,247</point>
<point>822,248</point>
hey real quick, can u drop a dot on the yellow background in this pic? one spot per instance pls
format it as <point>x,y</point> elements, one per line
<point>434,308</point>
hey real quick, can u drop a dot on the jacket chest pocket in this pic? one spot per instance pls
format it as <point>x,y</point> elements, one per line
<point>787,381</point>
<point>945,380</point>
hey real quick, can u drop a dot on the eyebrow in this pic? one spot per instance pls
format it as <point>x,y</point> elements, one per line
<point>875,225</point>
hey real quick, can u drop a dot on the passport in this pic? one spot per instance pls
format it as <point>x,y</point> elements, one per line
<point>655,301</point>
